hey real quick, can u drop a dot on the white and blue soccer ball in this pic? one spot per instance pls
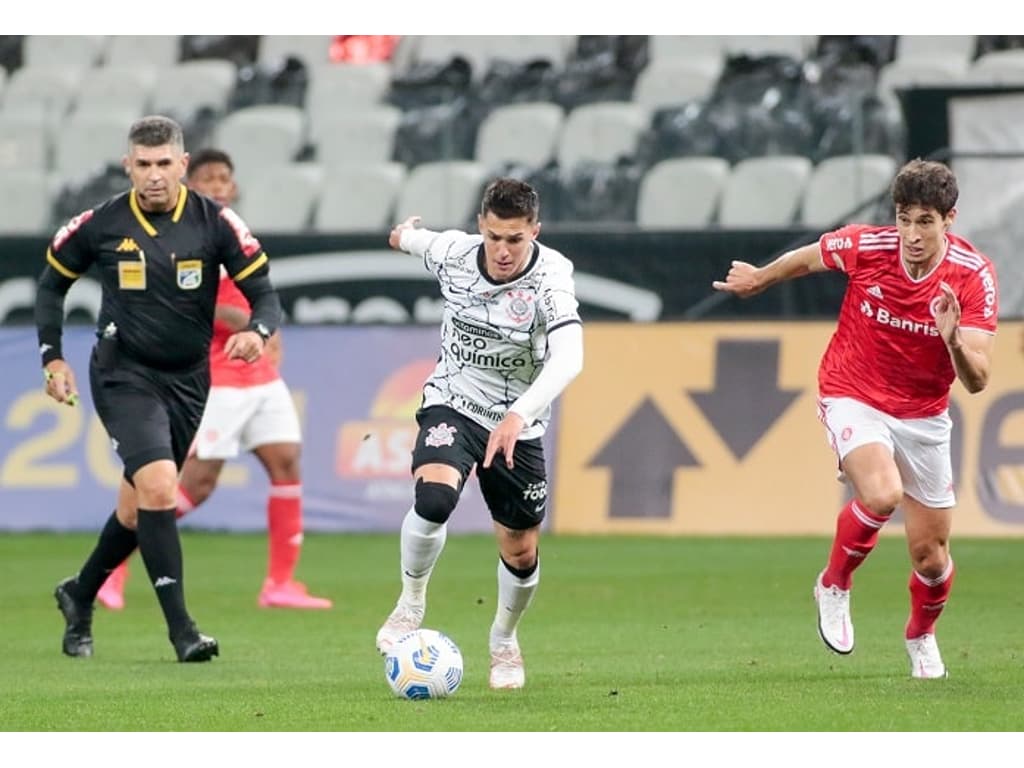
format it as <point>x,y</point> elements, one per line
<point>424,664</point>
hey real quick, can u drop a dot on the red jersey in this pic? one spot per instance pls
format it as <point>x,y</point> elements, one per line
<point>235,373</point>
<point>886,350</point>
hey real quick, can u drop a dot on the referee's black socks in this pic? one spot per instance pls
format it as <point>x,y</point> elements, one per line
<point>115,544</point>
<point>161,551</point>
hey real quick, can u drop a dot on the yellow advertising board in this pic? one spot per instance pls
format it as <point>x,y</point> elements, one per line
<point>685,428</point>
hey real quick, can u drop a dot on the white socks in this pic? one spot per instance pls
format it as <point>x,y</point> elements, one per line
<point>514,596</point>
<point>421,545</point>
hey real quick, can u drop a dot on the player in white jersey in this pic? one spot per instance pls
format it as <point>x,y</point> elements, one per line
<point>920,311</point>
<point>511,341</point>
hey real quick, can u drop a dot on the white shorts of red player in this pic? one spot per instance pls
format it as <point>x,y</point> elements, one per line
<point>920,447</point>
<point>239,419</point>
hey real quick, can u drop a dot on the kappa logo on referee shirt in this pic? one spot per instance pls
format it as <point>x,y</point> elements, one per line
<point>440,436</point>
<point>128,245</point>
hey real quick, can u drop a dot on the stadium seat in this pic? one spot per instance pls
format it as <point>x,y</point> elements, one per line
<point>357,137</point>
<point>47,91</point>
<point>956,49</point>
<point>59,51</point>
<point>184,89</point>
<point>440,49</point>
<point>681,193</point>
<point>151,51</point>
<point>838,185</point>
<point>117,87</point>
<point>359,198</point>
<point>281,198</point>
<point>602,132</point>
<point>526,48</point>
<point>312,50</point>
<point>344,89</point>
<point>903,74</point>
<point>764,192</point>
<point>519,134</point>
<point>445,193</point>
<point>690,47</point>
<point>261,136</point>
<point>672,82</point>
<point>88,142</point>
<point>25,142</point>
<point>998,68</point>
<point>25,202</point>
<point>794,46</point>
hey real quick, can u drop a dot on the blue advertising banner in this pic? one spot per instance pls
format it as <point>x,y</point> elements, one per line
<point>356,388</point>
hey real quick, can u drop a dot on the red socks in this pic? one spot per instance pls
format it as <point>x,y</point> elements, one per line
<point>284,528</point>
<point>856,535</point>
<point>927,599</point>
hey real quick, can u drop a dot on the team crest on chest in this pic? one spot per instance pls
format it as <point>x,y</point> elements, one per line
<point>190,274</point>
<point>440,436</point>
<point>519,306</point>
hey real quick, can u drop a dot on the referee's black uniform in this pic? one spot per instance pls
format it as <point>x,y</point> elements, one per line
<point>149,370</point>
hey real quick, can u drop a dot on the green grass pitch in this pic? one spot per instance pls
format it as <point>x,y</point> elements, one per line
<point>625,634</point>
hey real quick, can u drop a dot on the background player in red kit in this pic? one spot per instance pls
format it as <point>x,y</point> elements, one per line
<point>919,311</point>
<point>249,408</point>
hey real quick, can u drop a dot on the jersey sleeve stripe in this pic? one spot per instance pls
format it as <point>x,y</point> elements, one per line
<point>970,264</point>
<point>52,260</point>
<point>570,321</point>
<point>259,262</point>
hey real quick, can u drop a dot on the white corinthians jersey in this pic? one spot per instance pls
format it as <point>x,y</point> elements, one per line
<point>494,335</point>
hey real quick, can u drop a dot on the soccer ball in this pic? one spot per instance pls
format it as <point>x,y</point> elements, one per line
<point>424,664</point>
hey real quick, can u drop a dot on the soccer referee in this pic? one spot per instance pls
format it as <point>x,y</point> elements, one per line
<point>157,250</point>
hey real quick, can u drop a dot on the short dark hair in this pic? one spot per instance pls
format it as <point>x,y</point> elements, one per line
<point>927,183</point>
<point>511,199</point>
<point>155,131</point>
<point>207,156</point>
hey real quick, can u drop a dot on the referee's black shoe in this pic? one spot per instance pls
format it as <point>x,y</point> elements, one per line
<point>193,645</point>
<point>77,621</point>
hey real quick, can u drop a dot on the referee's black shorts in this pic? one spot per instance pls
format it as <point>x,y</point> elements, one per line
<point>517,498</point>
<point>149,414</point>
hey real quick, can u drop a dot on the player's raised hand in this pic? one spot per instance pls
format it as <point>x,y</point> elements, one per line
<point>503,439</point>
<point>395,238</point>
<point>741,280</point>
<point>947,312</point>
<point>60,382</point>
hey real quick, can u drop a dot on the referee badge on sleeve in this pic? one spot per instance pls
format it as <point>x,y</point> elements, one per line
<point>190,274</point>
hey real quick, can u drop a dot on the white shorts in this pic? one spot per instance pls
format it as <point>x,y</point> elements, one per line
<point>240,419</point>
<point>920,447</point>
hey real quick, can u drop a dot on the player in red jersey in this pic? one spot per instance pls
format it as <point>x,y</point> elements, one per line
<point>249,407</point>
<point>920,311</point>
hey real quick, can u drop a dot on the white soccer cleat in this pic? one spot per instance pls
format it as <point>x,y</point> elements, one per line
<point>403,620</point>
<point>834,625</point>
<point>925,659</point>
<point>507,665</point>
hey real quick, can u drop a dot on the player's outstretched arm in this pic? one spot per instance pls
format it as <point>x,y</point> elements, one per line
<point>395,238</point>
<point>746,280</point>
<point>411,238</point>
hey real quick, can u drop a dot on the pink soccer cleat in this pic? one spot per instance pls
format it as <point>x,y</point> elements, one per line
<point>289,594</point>
<point>111,594</point>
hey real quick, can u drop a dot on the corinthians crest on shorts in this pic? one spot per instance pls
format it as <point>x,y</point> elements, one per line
<point>440,436</point>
